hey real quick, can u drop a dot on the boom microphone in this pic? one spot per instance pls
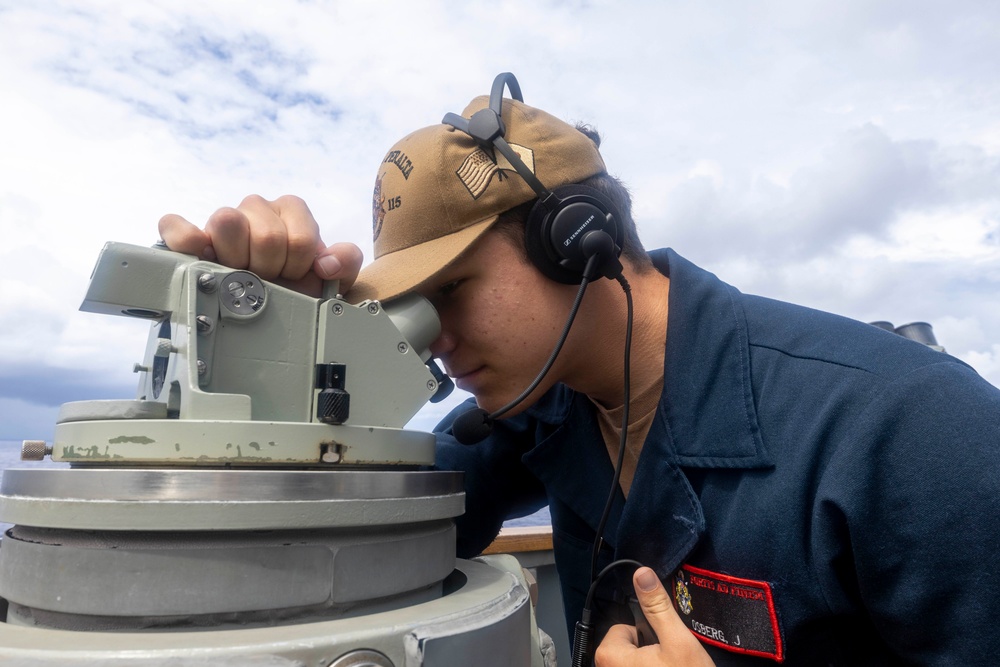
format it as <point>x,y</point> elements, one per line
<point>472,426</point>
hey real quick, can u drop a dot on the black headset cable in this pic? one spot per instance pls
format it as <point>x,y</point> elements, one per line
<point>584,632</point>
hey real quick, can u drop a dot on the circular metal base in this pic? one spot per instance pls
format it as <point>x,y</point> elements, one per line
<point>180,499</point>
<point>95,580</point>
<point>481,618</point>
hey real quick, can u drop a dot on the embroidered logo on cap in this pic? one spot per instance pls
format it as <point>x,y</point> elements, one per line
<point>732,613</point>
<point>378,208</point>
<point>401,160</point>
<point>478,168</point>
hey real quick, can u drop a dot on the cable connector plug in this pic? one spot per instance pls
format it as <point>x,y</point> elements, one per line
<point>583,637</point>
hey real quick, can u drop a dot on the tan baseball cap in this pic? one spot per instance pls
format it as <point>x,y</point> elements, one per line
<point>437,192</point>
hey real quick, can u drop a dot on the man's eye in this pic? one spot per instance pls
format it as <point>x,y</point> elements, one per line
<point>449,287</point>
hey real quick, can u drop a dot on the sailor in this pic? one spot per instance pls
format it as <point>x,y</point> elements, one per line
<point>800,487</point>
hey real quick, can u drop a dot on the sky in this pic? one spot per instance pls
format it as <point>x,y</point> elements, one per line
<point>844,155</point>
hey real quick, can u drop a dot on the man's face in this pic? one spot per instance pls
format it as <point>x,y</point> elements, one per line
<point>500,319</point>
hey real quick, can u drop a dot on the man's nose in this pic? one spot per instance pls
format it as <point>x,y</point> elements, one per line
<point>442,345</point>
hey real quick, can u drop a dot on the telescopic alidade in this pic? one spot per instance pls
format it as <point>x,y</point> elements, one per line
<point>258,499</point>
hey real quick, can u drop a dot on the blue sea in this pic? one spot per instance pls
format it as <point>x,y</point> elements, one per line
<point>10,457</point>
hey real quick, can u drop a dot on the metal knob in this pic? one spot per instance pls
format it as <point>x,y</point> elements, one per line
<point>362,658</point>
<point>34,450</point>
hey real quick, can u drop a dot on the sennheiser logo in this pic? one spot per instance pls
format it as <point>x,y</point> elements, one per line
<point>478,169</point>
<point>579,229</point>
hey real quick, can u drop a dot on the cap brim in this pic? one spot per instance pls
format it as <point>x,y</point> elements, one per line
<point>399,272</point>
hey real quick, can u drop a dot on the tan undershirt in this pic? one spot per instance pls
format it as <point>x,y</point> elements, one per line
<point>644,402</point>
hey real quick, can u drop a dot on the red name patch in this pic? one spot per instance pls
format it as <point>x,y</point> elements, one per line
<point>732,613</point>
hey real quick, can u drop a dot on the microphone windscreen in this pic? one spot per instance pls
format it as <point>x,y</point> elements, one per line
<point>472,426</point>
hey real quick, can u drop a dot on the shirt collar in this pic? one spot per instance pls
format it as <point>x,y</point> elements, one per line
<point>708,418</point>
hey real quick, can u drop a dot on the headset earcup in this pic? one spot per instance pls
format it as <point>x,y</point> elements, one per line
<point>576,203</point>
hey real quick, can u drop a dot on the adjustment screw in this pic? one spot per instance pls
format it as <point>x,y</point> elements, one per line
<point>373,307</point>
<point>164,346</point>
<point>34,450</point>
<point>202,367</point>
<point>207,282</point>
<point>331,453</point>
<point>362,658</point>
<point>431,385</point>
<point>338,309</point>
<point>204,324</point>
<point>402,347</point>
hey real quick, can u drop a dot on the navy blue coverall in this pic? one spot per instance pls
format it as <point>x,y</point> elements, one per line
<point>813,489</point>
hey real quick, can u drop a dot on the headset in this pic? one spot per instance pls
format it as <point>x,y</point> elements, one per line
<point>568,224</point>
<point>572,236</point>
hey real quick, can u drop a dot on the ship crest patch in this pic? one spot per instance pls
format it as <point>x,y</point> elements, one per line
<point>682,594</point>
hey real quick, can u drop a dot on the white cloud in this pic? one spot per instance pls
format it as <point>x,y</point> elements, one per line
<point>954,234</point>
<point>867,196</point>
<point>839,154</point>
<point>986,362</point>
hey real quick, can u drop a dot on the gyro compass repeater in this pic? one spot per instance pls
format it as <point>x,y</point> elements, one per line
<point>258,497</point>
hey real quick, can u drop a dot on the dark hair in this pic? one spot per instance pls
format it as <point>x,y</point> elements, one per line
<point>512,222</point>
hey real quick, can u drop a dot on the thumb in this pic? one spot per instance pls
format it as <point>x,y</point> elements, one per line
<point>656,605</point>
<point>183,236</point>
<point>340,261</point>
<point>676,641</point>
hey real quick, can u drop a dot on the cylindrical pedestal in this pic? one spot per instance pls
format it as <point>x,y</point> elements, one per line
<point>126,549</point>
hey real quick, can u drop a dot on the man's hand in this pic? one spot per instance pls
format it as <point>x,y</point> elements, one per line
<point>677,647</point>
<point>278,240</point>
